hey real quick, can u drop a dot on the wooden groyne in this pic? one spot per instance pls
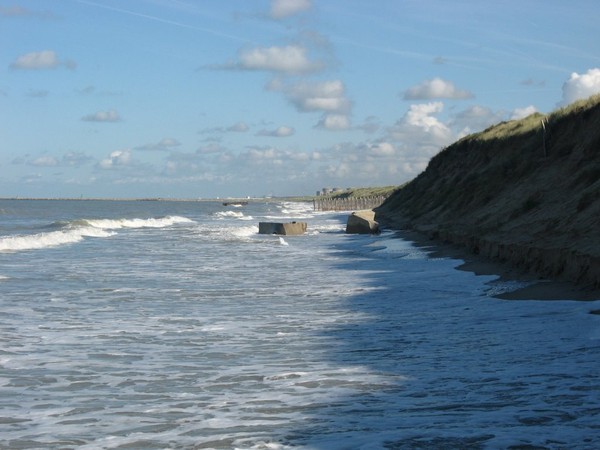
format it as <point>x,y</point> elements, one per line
<point>348,203</point>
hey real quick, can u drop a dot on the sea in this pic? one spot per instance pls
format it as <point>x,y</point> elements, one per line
<point>175,325</point>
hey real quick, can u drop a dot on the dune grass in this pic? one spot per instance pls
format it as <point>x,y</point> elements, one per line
<point>363,192</point>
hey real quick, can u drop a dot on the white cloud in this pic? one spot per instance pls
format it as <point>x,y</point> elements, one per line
<point>45,161</point>
<point>371,125</point>
<point>422,129</point>
<point>387,162</point>
<point>341,170</point>
<point>521,113</point>
<point>164,144</point>
<point>45,59</point>
<point>325,96</point>
<point>284,8</point>
<point>436,88</point>
<point>581,86</point>
<point>211,148</point>
<point>476,118</point>
<point>291,59</point>
<point>240,127</point>
<point>103,116</point>
<point>421,116</point>
<point>71,158</point>
<point>334,122</point>
<point>259,154</point>
<point>116,159</point>
<point>75,159</point>
<point>282,131</point>
<point>385,149</point>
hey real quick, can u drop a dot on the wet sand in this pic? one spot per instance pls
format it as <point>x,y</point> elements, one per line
<point>537,288</point>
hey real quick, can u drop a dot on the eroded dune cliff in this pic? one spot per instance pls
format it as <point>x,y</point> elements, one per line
<point>525,191</point>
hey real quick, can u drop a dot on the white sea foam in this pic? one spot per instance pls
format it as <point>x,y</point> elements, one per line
<point>51,239</point>
<point>297,209</point>
<point>115,224</point>
<point>326,228</point>
<point>232,215</point>
<point>215,233</point>
<point>222,214</point>
<point>243,232</point>
<point>75,231</point>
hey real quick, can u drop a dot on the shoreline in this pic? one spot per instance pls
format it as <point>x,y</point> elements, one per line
<point>537,288</point>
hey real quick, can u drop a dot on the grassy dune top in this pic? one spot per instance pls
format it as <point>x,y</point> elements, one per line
<point>362,192</point>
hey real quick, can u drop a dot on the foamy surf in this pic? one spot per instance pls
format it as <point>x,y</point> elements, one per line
<point>52,239</point>
<point>232,215</point>
<point>115,224</point>
<point>75,231</point>
<point>210,335</point>
<point>227,233</point>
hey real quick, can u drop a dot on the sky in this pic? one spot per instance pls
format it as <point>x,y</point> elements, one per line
<point>237,98</point>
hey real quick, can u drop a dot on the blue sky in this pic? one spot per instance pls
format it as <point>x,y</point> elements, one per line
<point>215,98</point>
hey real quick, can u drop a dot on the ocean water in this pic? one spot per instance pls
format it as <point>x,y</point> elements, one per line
<point>174,325</point>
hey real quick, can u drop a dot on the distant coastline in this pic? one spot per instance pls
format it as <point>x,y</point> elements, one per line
<point>343,193</point>
<point>162,199</point>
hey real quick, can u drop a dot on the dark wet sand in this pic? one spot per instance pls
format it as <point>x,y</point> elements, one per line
<point>538,289</point>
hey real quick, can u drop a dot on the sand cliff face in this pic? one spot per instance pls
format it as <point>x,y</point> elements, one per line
<point>526,192</point>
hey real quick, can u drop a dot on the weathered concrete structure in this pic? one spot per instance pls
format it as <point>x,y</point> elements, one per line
<point>291,228</point>
<point>362,222</point>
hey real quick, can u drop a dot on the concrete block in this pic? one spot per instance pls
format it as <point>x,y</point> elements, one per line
<point>289,229</point>
<point>362,222</point>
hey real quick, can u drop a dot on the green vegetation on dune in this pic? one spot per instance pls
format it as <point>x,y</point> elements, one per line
<point>362,192</point>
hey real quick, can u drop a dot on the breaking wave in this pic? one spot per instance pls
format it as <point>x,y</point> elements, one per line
<point>115,224</point>
<point>232,215</point>
<point>75,231</point>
